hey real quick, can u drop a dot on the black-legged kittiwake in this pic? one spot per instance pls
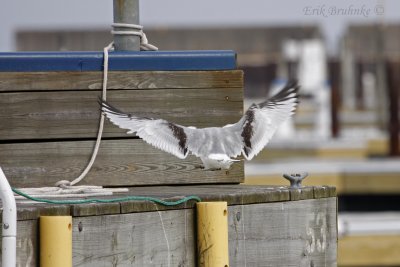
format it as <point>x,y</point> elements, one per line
<point>215,146</point>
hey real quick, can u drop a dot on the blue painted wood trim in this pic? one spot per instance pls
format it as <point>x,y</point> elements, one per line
<point>118,61</point>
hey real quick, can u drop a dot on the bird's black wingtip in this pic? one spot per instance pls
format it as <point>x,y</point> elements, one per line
<point>106,107</point>
<point>292,86</point>
<point>292,83</point>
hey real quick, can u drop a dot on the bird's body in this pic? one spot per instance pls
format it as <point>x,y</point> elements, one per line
<point>215,146</point>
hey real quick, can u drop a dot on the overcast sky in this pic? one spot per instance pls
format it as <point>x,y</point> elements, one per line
<point>87,14</point>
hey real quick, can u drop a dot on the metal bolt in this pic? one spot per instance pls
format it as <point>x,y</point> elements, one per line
<point>6,226</point>
<point>295,179</point>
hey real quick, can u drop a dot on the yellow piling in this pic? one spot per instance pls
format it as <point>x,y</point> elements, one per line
<point>56,241</point>
<point>212,234</point>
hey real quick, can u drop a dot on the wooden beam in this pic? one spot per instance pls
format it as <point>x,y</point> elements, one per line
<point>119,163</point>
<point>92,80</point>
<point>75,114</point>
<point>232,194</point>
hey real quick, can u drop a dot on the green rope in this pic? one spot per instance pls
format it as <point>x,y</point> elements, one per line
<point>121,199</point>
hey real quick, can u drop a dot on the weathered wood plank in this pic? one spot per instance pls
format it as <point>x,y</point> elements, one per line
<point>301,193</point>
<point>294,233</point>
<point>92,80</point>
<point>75,114</point>
<point>234,194</point>
<point>324,191</point>
<point>164,238</point>
<point>119,163</point>
<point>32,211</point>
<point>96,209</point>
<point>27,243</point>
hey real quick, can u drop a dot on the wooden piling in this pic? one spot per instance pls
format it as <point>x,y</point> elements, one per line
<point>393,70</point>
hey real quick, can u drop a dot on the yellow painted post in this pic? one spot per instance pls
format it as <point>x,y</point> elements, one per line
<point>56,241</point>
<point>212,234</point>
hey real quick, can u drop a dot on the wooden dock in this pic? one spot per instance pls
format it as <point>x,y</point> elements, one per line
<point>50,118</point>
<point>365,238</point>
<point>49,113</point>
<point>268,226</point>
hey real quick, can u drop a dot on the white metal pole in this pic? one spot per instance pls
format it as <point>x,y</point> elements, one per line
<point>9,227</point>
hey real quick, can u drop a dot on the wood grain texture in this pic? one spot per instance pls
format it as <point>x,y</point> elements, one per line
<point>301,193</point>
<point>92,80</point>
<point>43,113</point>
<point>75,114</point>
<point>324,191</point>
<point>164,238</point>
<point>233,194</point>
<point>32,211</point>
<point>293,233</point>
<point>27,243</point>
<point>95,209</point>
<point>119,163</point>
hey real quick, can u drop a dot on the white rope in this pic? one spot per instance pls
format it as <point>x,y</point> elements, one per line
<point>134,29</point>
<point>65,188</point>
<point>67,184</point>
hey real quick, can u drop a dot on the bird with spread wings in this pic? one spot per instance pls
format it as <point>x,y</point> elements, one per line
<point>215,146</point>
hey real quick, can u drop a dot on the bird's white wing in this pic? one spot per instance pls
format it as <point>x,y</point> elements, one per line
<point>160,133</point>
<point>261,121</point>
<point>248,136</point>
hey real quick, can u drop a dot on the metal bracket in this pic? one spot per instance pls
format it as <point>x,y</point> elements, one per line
<point>295,179</point>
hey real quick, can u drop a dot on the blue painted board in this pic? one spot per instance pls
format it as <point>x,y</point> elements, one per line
<point>118,61</point>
